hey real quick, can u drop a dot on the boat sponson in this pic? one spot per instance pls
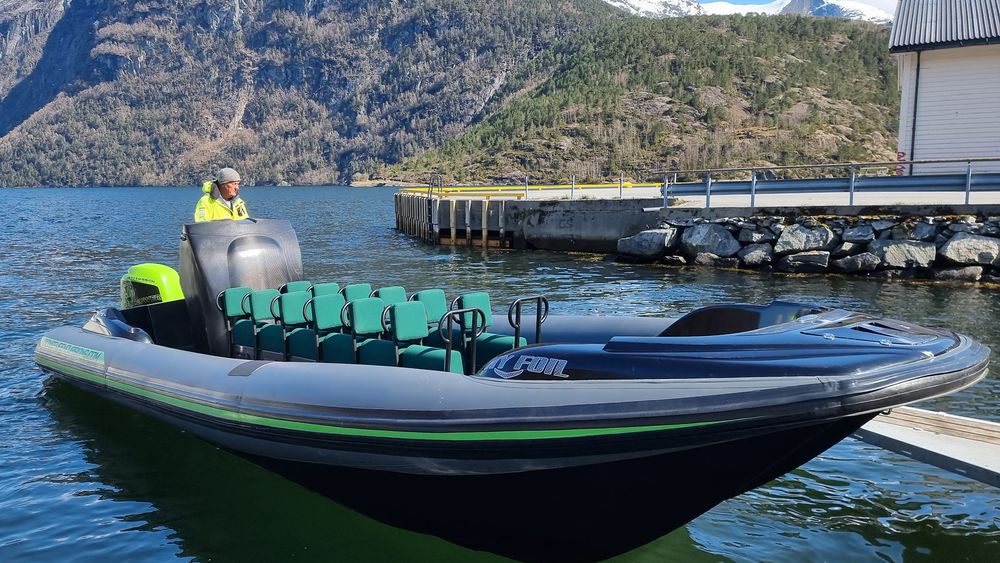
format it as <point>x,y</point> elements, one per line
<point>422,421</point>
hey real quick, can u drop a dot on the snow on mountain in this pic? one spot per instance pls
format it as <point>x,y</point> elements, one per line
<point>848,9</point>
<point>659,8</point>
<point>720,8</point>
<point>879,11</point>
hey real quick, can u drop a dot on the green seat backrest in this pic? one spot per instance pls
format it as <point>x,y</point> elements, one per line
<point>325,288</point>
<point>356,291</point>
<point>477,300</point>
<point>434,302</point>
<point>408,321</point>
<point>232,302</point>
<point>391,294</point>
<point>260,305</point>
<point>290,306</point>
<point>294,286</point>
<point>365,316</point>
<point>326,312</point>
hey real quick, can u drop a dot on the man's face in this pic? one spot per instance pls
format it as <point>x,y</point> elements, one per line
<point>229,190</point>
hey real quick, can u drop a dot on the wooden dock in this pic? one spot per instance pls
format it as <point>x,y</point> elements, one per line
<point>962,445</point>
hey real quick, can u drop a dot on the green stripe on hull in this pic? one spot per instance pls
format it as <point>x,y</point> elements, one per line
<point>485,435</point>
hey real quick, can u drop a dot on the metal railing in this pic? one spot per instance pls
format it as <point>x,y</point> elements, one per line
<point>436,188</point>
<point>851,179</point>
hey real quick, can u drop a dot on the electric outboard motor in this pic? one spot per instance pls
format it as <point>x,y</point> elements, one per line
<point>217,255</point>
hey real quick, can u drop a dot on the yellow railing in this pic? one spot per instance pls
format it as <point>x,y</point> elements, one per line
<point>515,191</point>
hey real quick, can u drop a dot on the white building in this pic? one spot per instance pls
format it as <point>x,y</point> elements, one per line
<point>948,52</point>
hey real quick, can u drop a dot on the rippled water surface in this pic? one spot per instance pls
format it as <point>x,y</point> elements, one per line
<point>82,479</point>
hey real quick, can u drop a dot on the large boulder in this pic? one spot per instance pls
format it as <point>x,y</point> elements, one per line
<point>709,238</point>
<point>814,261</point>
<point>968,273</point>
<point>904,253</point>
<point>797,238</point>
<point>964,248</point>
<point>864,262</point>
<point>650,244</point>
<point>756,255</point>
<point>847,249</point>
<point>756,235</point>
<point>859,233</point>
<point>925,232</point>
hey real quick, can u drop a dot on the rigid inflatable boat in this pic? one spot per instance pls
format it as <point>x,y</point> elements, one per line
<point>535,436</point>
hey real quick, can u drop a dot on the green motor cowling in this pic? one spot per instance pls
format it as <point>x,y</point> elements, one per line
<point>147,284</point>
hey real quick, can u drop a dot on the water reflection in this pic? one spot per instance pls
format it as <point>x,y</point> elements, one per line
<point>207,503</point>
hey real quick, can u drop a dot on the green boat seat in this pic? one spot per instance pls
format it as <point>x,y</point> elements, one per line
<point>436,306</point>
<point>376,352</point>
<point>286,310</point>
<point>324,314</point>
<point>390,295</point>
<point>294,286</point>
<point>355,291</point>
<point>435,303</point>
<point>409,328</point>
<point>258,305</point>
<point>238,323</point>
<point>488,345</point>
<point>298,340</point>
<point>325,288</point>
<point>336,348</point>
<point>365,318</point>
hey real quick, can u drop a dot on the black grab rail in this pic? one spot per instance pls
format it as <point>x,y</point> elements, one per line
<point>541,313</point>
<point>455,316</point>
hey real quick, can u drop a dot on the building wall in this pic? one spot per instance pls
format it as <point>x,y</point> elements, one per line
<point>958,107</point>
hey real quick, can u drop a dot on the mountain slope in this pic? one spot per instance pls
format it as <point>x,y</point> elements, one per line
<point>699,92</point>
<point>160,92</point>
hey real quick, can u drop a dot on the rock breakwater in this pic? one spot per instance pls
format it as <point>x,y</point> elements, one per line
<point>965,247</point>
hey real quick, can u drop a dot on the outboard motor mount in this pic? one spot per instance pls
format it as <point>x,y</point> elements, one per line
<point>217,255</point>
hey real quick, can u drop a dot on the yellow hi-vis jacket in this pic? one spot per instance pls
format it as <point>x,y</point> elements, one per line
<point>211,209</point>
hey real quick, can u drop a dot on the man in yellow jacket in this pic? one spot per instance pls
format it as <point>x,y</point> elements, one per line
<point>221,199</point>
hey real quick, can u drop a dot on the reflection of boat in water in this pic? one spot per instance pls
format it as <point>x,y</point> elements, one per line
<point>213,506</point>
<point>604,434</point>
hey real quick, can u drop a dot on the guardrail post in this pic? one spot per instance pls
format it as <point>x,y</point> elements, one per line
<point>436,220</point>
<point>854,178</point>
<point>753,190</point>
<point>453,222</point>
<point>621,181</point>
<point>486,221</point>
<point>501,223</point>
<point>468,222</point>
<point>572,188</point>
<point>708,190</point>
<point>968,182</point>
<point>666,190</point>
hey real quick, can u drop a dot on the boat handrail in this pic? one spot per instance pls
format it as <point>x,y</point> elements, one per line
<point>453,316</point>
<point>541,313</point>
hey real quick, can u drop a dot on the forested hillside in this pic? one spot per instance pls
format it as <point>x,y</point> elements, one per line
<point>161,92</point>
<point>693,92</point>
<point>109,92</point>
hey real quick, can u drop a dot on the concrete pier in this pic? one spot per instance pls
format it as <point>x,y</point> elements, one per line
<point>958,444</point>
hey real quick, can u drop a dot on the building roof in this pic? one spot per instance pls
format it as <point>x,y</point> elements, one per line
<point>931,24</point>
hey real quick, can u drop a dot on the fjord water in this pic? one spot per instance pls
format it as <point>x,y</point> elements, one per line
<point>85,480</point>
